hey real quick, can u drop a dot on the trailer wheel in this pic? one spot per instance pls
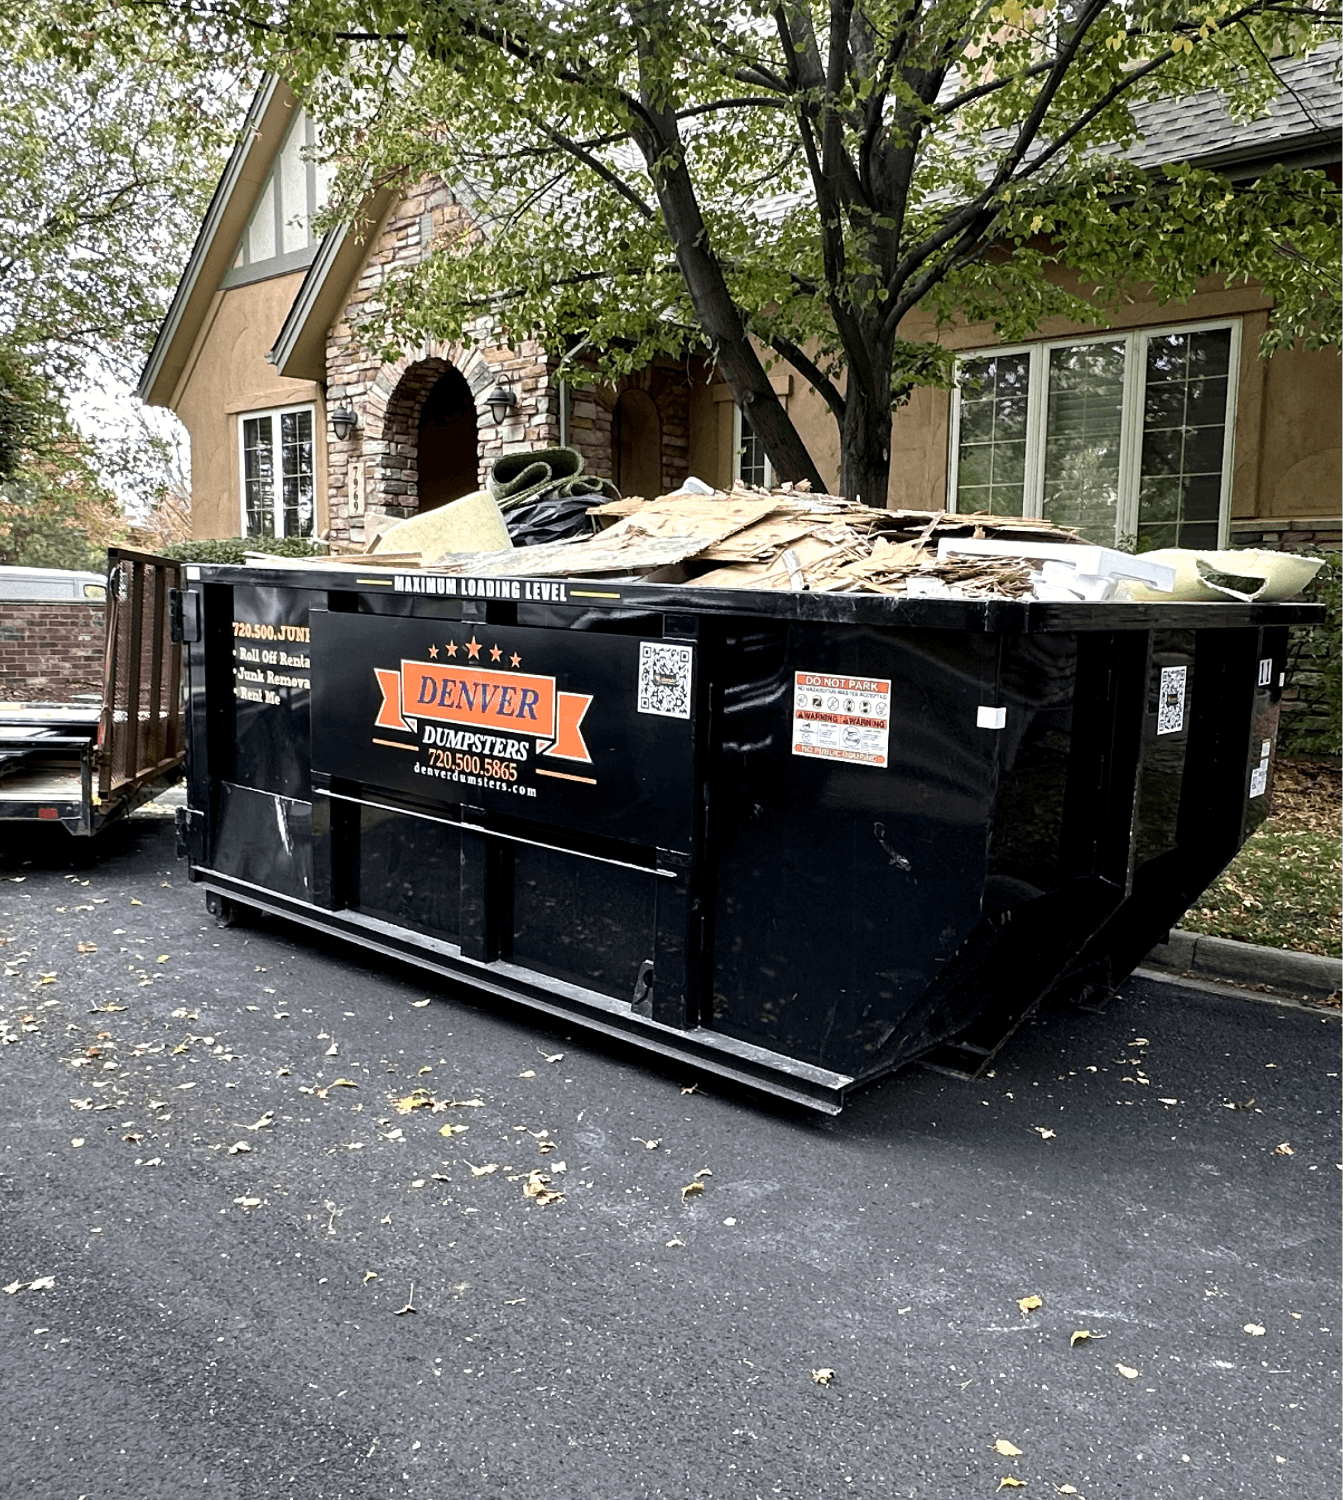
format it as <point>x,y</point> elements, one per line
<point>224,911</point>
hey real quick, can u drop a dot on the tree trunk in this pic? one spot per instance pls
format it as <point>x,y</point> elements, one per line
<point>719,316</point>
<point>865,433</point>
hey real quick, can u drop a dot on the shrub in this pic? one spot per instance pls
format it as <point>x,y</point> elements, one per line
<point>232,549</point>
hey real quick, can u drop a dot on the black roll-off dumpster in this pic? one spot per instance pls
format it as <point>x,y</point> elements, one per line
<point>798,840</point>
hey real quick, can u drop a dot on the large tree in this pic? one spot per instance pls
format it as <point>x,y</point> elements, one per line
<point>111,141</point>
<point>802,177</point>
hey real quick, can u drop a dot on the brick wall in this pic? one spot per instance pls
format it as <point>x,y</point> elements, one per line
<point>50,651</point>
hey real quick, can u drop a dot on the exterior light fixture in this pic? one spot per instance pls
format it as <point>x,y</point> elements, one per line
<point>343,423</point>
<point>501,401</point>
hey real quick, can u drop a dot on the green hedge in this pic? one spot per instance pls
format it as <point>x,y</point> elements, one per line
<point>232,549</point>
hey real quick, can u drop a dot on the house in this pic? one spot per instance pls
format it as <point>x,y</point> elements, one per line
<point>1163,429</point>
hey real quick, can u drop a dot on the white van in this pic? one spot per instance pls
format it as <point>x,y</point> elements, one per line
<point>51,584</point>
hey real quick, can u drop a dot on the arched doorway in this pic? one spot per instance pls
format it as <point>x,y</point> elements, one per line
<point>448,450</point>
<point>636,445</point>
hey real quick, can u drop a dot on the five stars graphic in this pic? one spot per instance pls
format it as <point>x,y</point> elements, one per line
<point>473,649</point>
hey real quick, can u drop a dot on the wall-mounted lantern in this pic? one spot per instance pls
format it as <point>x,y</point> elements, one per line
<point>501,401</point>
<point>343,423</point>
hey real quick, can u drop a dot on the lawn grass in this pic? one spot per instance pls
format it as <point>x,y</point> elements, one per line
<point>1283,888</point>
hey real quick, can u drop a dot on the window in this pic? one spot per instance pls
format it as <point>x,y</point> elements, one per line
<point>279,475</point>
<point>1125,437</point>
<point>751,463</point>
<point>279,236</point>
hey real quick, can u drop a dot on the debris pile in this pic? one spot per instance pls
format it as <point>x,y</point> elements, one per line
<point>786,539</point>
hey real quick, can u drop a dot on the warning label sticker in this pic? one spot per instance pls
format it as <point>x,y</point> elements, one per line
<point>842,718</point>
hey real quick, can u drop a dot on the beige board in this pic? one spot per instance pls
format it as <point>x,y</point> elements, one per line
<point>473,523</point>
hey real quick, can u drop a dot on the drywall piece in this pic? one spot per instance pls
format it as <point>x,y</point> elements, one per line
<point>472,524</point>
<point>1249,575</point>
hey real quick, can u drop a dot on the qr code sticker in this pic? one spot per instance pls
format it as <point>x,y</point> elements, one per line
<point>1170,702</point>
<point>664,679</point>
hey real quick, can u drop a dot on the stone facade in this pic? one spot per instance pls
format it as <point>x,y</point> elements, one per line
<point>1310,697</point>
<point>375,471</point>
<point>1289,533</point>
<point>50,651</point>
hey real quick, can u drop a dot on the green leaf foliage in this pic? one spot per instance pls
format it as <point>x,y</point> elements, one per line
<point>826,182</point>
<point>234,549</point>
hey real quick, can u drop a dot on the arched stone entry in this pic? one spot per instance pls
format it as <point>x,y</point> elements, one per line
<point>432,398</point>
<point>636,445</point>
<point>448,446</point>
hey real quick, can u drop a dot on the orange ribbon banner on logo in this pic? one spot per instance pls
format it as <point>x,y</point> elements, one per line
<point>508,701</point>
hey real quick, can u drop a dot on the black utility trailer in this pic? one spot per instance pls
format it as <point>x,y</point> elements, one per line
<point>85,763</point>
<point>798,840</point>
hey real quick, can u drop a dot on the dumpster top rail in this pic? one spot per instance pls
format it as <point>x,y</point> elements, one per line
<point>990,616</point>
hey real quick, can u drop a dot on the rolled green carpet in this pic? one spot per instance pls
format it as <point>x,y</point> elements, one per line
<point>519,476</point>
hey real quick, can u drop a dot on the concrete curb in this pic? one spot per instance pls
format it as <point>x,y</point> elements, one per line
<point>1247,963</point>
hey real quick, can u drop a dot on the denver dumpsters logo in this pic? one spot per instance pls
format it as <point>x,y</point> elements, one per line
<point>480,698</point>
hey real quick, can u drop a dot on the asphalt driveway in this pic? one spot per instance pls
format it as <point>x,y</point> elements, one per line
<point>242,1257</point>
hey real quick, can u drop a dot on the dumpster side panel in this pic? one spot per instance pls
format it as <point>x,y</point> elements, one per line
<point>842,887</point>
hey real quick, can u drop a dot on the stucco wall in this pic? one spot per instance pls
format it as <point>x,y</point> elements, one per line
<point>1287,459</point>
<point>228,374</point>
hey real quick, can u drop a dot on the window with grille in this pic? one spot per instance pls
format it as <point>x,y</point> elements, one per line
<point>1126,438</point>
<point>752,465</point>
<point>279,472</point>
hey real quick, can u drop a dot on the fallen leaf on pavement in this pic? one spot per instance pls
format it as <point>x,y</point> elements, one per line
<point>527,1073</point>
<point>1127,1371</point>
<point>1082,1335</point>
<point>263,1121</point>
<point>691,1088</point>
<point>490,1166</point>
<point>1255,1330</point>
<point>704,1172</point>
<point>419,1004</point>
<point>13,1287</point>
<point>1045,1135</point>
<point>369,1276</point>
<point>342,1083</point>
<point>410,1303</point>
<point>647,1145</point>
<point>551,1057</point>
<point>1029,1304</point>
<point>452,1129</point>
<point>332,1050</point>
<point>1010,1482</point>
<point>691,1190</point>
<point>1284,1150</point>
<point>1066,1489</point>
<point>248,1202</point>
<point>671,1244</point>
<point>77,1140</point>
<point>238,1146</point>
<point>1008,1450</point>
<point>86,947</point>
<point>419,1099</point>
<point>42,1284</point>
<point>536,1188</point>
<point>823,1376</point>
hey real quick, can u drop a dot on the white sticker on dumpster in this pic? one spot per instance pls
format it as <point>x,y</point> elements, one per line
<point>1170,702</point>
<point>842,718</point>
